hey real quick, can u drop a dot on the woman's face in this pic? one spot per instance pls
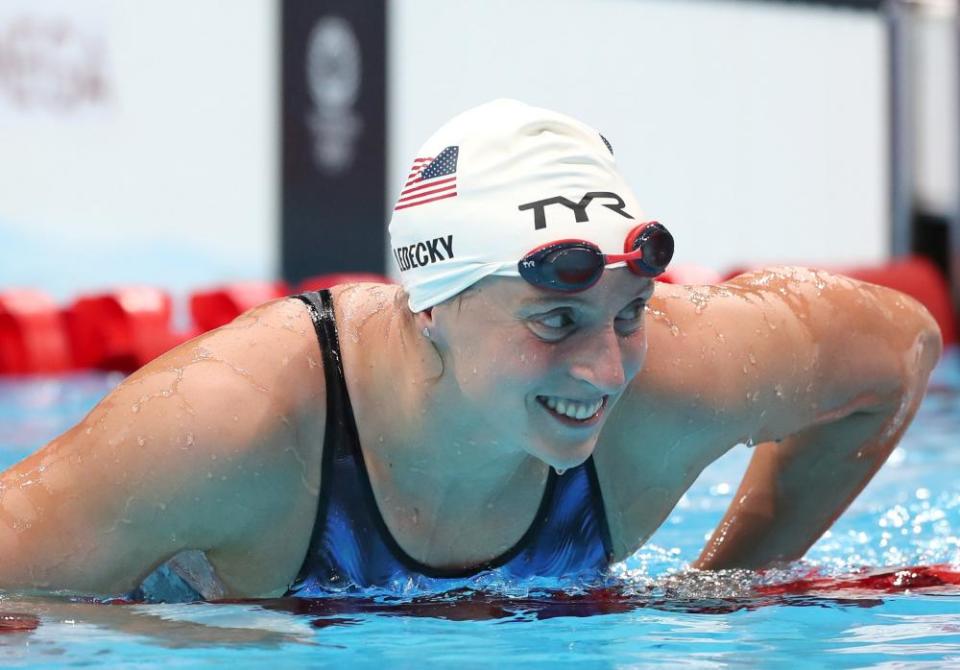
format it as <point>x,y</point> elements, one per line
<point>542,369</point>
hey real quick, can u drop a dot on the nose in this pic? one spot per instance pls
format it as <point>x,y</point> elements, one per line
<point>607,361</point>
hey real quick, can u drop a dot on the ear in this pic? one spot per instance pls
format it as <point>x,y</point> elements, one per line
<point>424,319</point>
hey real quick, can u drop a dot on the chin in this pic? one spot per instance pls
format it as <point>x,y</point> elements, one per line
<point>566,458</point>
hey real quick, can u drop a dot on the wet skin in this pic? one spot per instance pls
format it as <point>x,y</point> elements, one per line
<point>216,445</point>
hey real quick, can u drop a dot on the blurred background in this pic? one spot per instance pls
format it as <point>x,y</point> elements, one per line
<point>190,144</point>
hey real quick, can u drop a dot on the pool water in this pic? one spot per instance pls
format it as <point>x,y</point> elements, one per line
<point>881,588</point>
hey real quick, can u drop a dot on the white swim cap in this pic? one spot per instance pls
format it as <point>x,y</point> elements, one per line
<point>496,182</point>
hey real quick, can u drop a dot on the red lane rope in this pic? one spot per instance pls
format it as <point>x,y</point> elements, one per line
<point>873,581</point>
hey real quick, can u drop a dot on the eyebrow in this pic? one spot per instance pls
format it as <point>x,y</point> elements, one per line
<point>549,300</point>
<point>566,299</point>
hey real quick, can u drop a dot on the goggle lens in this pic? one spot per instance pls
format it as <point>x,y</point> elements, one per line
<point>657,245</point>
<point>576,265</point>
<point>569,268</point>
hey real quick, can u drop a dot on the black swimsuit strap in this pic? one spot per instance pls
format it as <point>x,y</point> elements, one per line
<point>339,412</point>
<point>320,306</point>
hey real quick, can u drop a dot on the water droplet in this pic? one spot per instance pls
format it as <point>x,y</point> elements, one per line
<point>189,439</point>
<point>699,300</point>
<point>135,407</point>
<point>674,330</point>
<point>140,440</point>
<point>560,471</point>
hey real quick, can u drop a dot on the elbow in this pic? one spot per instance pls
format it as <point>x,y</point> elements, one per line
<point>914,331</point>
<point>907,382</point>
<point>927,343</point>
<point>908,346</point>
<point>920,356</point>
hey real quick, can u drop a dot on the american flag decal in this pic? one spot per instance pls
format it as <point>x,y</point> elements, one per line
<point>430,179</point>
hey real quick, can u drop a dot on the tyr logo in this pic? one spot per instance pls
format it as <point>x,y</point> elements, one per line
<point>579,208</point>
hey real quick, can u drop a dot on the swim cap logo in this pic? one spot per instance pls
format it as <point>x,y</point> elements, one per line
<point>579,208</point>
<point>424,253</point>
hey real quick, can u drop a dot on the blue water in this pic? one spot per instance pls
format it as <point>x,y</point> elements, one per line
<point>653,614</point>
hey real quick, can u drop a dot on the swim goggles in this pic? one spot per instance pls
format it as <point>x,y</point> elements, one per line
<point>576,265</point>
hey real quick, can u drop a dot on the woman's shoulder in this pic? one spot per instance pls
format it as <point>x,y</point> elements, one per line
<point>354,304</point>
<point>273,347</point>
<point>364,314</point>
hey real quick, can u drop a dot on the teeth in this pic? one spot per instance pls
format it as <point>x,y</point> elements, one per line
<point>572,408</point>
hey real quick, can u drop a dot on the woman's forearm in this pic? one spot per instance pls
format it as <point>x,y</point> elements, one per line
<point>795,489</point>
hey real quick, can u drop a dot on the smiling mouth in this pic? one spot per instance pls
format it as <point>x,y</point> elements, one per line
<point>573,412</point>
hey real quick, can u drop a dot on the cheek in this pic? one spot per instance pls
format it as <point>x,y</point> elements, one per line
<point>513,364</point>
<point>533,360</point>
<point>635,353</point>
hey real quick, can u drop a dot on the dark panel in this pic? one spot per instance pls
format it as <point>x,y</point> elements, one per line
<point>931,238</point>
<point>333,165</point>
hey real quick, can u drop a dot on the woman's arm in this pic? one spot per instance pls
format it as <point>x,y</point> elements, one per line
<point>830,366</point>
<point>795,488</point>
<point>199,449</point>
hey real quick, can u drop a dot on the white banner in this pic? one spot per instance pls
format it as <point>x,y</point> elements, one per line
<point>54,60</point>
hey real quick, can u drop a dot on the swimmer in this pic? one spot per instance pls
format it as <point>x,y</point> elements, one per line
<point>528,399</point>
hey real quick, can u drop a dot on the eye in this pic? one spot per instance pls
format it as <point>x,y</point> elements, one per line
<point>633,311</point>
<point>629,319</point>
<point>560,320</point>
<point>552,326</point>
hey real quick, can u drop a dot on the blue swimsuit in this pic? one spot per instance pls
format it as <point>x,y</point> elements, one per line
<point>351,545</point>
